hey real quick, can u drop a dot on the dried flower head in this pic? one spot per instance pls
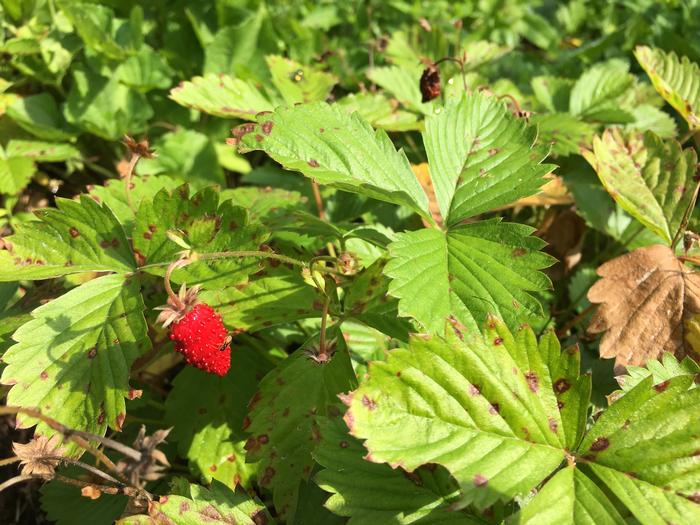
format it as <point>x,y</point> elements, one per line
<point>175,310</point>
<point>40,456</point>
<point>141,148</point>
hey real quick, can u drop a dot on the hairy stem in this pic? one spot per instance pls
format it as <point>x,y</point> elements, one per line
<point>686,215</point>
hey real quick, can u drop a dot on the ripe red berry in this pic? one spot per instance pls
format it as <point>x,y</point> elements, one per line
<point>201,337</point>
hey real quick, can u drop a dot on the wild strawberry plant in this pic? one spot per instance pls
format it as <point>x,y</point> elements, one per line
<point>390,315</point>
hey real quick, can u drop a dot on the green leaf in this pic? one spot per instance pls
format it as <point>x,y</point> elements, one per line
<point>649,118</point>
<point>480,157</point>
<point>649,504</point>
<point>185,154</point>
<point>104,107</point>
<point>96,25</point>
<point>222,96</point>
<point>651,434</point>
<point>369,493</point>
<point>283,420</point>
<point>15,173</point>
<point>277,296</point>
<point>569,498</point>
<point>41,151</point>
<point>593,96</point>
<point>337,149</point>
<point>563,132</point>
<point>649,178</point>
<point>215,505</point>
<point>236,47</point>
<point>113,194</point>
<point>211,435</point>
<point>72,360</point>
<point>485,408</point>
<point>467,274</point>
<point>77,236</point>
<point>206,226</point>
<point>403,83</point>
<point>379,111</point>
<point>667,368</point>
<point>39,115</point>
<point>553,92</point>
<point>677,80</point>
<point>297,83</point>
<point>145,71</point>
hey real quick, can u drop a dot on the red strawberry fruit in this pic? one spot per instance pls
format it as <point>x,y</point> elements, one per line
<point>198,332</point>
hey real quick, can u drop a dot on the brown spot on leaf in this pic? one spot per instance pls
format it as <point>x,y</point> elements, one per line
<point>267,476</point>
<point>533,381</point>
<point>259,517</point>
<point>599,444</point>
<point>343,444</point>
<point>493,151</point>
<point>44,376</point>
<point>474,390</point>
<point>313,163</point>
<point>498,341</point>
<point>267,126</point>
<point>92,352</point>
<point>561,385</point>
<point>369,403</point>
<point>263,439</point>
<point>519,251</point>
<point>662,386</point>
<point>119,421</point>
<point>494,409</point>
<point>184,507</point>
<point>553,425</point>
<point>213,468</point>
<point>74,232</point>
<point>147,235</point>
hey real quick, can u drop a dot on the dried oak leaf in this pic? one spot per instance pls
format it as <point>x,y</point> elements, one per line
<point>39,456</point>
<point>647,299</point>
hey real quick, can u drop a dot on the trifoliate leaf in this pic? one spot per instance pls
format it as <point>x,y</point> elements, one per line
<point>369,493</point>
<point>485,408</point>
<point>468,273</point>
<point>593,96</point>
<point>480,157</point>
<point>651,179</point>
<point>77,236</point>
<point>72,360</point>
<point>569,498</point>
<point>222,96</point>
<point>208,427</point>
<point>215,505</point>
<point>283,420</point>
<point>646,298</point>
<point>337,149</point>
<point>277,296</point>
<point>297,83</point>
<point>144,71</point>
<point>676,79</point>
<point>206,226</point>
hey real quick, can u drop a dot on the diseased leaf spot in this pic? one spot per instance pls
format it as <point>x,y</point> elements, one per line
<point>74,232</point>
<point>184,507</point>
<point>267,127</point>
<point>213,468</point>
<point>493,151</point>
<point>599,444</point>
<point>519,251</point>
<point>147,235</point>
<point>553,425</point>
<point>480,480</point>
<point>662,386</point>
<point>560,404</point>
<point>92,352</point>
<point>263,439</point>
<point>259,517</point>
<point>246,423</point>
<point>533,382</point>
<point>369,403</point>
<point>343,444</point>
<point>498,341</point>
<point>494,409</point>
<point>258,137</point>
<point>561,385</point>
<point>44,376</point>
<point>474,390</point>
<point>313,163</point>
<point>267,476</point>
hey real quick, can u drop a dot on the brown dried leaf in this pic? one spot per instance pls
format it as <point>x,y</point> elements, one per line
<point>422,173</point>
<point>38,456</point>
<point>646,298</point>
